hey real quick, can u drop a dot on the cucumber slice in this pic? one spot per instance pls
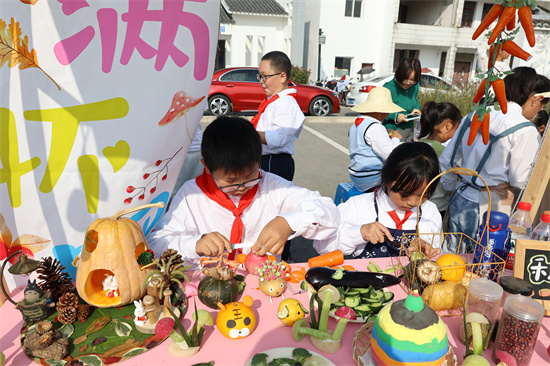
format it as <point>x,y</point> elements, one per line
<point>352,301</point>
<point>371,318</point>
<point>338,304</point>
<point>388,296</point>
<point>374,300</point>
<point>363,290</point>
<point>376,307</point>
<point>362,307</point>
<point>379,295</point>
<point>353,292</point>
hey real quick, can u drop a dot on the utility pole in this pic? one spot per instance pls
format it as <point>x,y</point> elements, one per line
<point>322,39</point>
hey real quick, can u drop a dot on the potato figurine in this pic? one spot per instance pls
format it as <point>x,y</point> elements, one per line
<point>272,278</point>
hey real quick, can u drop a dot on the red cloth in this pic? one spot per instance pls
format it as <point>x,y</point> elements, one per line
<point>398,222</point>
<point>358,121</point>
<point>207,184</point>
<point>261,109</point>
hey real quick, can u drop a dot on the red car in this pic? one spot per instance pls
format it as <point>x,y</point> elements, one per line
<point>237,89</point>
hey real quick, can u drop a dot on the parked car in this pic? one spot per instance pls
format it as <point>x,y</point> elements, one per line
<point>237,89</point>
<point>359,91</point>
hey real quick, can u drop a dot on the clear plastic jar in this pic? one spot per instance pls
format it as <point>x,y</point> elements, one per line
<point>518,330</point>
<point>484,298</point>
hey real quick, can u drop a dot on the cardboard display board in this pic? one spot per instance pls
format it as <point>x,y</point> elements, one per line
<point>532,263</point>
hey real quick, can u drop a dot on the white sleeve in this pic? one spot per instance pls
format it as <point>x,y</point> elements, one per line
<point>377,137</point>
<point>176,230</point>
<point>525,144</point>
<point>430,223</point>
<point>287,122</point>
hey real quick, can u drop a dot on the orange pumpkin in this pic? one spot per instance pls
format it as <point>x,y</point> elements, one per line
<point>109,257</point>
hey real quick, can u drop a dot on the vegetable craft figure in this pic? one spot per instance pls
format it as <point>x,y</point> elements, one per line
<point>237,319</point>
<point>273,278</point>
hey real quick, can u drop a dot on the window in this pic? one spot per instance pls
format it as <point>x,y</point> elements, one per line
<point>442,63</point>
<point>245,75</point>
<point>342,66</point>
<point>486,8</point>
<point>402,16</point>
<point>400,55</point>
<point>468,13</point>
<point>353,8</point>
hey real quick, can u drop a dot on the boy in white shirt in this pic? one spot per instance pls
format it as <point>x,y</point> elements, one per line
<point>233,201</point>
<point>279,120</point>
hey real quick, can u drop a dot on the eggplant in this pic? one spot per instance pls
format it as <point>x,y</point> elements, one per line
<point>320,276</point>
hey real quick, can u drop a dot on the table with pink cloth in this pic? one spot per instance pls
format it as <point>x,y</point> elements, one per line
<point>270,332</point>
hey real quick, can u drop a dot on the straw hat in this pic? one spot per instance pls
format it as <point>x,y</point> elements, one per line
<point>379,100</point>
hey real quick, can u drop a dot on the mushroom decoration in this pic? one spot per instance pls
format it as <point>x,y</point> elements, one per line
<point>181,104</point>
<point>112,247</point>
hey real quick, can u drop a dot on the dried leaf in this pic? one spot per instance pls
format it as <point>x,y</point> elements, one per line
<point>123,329</point>
<point>52,362</point>
<point>83,348</point>
<point>99,340</point>
<point>91,360</point>
<point>134,352</point>
<point>80,339</point>
<point>5,233</point>
<point>32,242</point>
<point>121,349</point>
<point>98,324</point>
<point>15,50</point>
<point>66,330</point>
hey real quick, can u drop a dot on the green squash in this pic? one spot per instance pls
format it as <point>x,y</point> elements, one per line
<point>213,290</point>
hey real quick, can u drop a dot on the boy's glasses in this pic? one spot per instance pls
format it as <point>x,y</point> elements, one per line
<point>263,78</point>
<point>234,187</point>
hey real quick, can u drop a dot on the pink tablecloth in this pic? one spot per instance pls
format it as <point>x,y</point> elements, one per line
<point>269,333</point>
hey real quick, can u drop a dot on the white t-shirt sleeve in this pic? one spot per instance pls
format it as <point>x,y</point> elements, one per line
<point>377,137</point>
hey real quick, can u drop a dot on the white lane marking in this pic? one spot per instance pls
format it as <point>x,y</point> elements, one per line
<point>327,140</point>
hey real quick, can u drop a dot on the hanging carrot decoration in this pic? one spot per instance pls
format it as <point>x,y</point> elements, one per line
<point>500,93</point>
<point>512,23</point>
<point>474,127</point>
<point>492,56</point>
<point>526,19</point>
<point>480,91</point>
<point>507,14</point>
<point>491,16</point>
<point>513,49</point>
<point>485,128</point>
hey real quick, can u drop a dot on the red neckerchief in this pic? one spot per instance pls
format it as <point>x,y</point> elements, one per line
<point>398,222</point>
<point>358,121</point>
<point>263,106</point>
<point>207,184</point>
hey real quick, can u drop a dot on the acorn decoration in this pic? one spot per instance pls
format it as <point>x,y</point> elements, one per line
<point>272,278</point>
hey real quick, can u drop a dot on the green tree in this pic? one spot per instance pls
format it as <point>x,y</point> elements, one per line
<point>299,75</point>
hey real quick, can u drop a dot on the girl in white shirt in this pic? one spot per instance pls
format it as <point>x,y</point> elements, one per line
<point>367,221</point>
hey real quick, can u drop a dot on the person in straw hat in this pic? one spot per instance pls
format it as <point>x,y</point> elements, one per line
<point>369,142</point>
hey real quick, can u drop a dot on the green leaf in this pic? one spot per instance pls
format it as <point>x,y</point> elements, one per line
<point>91,360</point>
<point>123,329</point>
<point>52,362</point>
<point>134,352</point>
<point>183,332</point>
<point>66,330</point>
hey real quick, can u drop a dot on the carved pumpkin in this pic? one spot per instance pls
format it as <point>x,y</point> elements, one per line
<point>108,274</point>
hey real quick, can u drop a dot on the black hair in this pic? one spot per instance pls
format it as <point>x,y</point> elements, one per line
<point>406,68</point>
<point>523,83</point>
<point>279,62</point>
<point>435,113</point>
<point>232,144</point>
<point>409,166</point>
<point>541,119</point>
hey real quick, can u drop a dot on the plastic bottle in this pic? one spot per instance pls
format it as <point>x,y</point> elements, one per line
<point>520,224</point>
<point>542,230</point>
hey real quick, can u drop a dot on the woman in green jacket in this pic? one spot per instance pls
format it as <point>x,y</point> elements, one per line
<point>404,92</point>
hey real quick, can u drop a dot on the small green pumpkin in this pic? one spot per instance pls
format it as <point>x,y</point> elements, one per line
<point>213,290</point>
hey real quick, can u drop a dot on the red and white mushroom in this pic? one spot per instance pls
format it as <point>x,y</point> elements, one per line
<point>181,104</point>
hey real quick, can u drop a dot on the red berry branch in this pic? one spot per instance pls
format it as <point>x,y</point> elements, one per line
<point>500,38</point>
<point>151,178</point>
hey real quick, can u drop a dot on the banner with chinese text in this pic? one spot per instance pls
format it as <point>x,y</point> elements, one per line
<point>100,101</point>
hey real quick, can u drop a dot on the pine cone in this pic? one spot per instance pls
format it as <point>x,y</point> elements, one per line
<point>53,278</point>
<point>83,311</point>
<point>67,316</point>
<point>171,254</point>
<point>68,300</point>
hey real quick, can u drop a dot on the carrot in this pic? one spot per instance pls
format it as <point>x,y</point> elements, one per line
<point>491,16</point>
<point>492,54</point>
<point>474,127</point>
<point>480,91</point>
<point>500,93</point>
<point>507,14</point>
<point>240,258</point>
<point>526,19</point>
<point>329,259</point>
<point>512,23</point>
<point>485,128</point>
<point>513,49</point>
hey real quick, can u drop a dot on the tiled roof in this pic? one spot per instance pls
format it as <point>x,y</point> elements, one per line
<point>259,7</point>
<point>225,17</point>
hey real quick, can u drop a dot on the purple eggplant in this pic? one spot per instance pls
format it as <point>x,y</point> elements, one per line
<point>320,276</point>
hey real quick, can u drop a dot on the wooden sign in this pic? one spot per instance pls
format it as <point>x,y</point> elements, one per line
<point>532,263</point>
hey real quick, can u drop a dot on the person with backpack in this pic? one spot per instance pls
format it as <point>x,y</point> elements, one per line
<point>504,163</point>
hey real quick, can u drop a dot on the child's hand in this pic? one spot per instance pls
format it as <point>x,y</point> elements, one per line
<point>273,237</point>
<point>424,247</point>
<point>375,232</point>
<point>212,245</point>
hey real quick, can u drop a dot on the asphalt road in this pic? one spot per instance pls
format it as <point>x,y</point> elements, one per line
<point>322,160</point>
